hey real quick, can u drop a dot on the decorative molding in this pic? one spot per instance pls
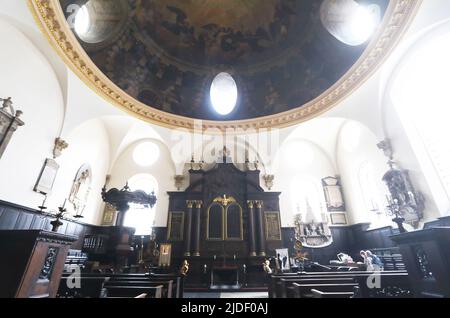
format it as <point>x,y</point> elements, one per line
<point>224,200</point>
<point>259,204</point>
<point>49,263</point>
<point>51,20</point>
<point>198,204</point>
<point>190,204</point>
<point>268,179</point>
<point>60,145</point>
<point>179,178</point>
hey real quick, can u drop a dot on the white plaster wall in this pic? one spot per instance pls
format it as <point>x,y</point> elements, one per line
<point>28,78</point>
<point>290,169</point>
<point>356,145</point>
<point>88,144</point>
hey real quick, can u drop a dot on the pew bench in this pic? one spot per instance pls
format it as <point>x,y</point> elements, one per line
<point>393,283</point>
<point>89,287</point>
<point>304,290</point>
<point>132,291</point>
<point>167,288</point>
<point>320,294</point>
<point>284,288</point>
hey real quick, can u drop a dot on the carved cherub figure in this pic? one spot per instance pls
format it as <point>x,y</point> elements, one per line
<point>266,267</point>
<point>184,268</point>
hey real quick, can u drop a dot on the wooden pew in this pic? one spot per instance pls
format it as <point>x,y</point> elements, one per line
<point>273,278</point>
<point>283,284</point>
<point>177,278</point>
<point>390,285</point>
<point>131,291</point>
<point>284,287</point>
<point>304,290</point>
<point>90,287</point>
<point>175,286</point>
<point>167,290</point>
<point>95,291</point>
<point>320,294</point>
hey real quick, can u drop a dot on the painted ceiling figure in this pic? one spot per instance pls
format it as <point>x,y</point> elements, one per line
<point>280,40</point>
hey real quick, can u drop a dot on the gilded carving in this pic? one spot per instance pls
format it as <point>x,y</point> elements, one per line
<point>198,204</point>
<point>190,204</point>
<point>60,145</point>
<point>51,20</point>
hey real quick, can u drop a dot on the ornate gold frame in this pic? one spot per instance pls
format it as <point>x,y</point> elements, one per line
<point>50,18</point>
<point>225,203</point>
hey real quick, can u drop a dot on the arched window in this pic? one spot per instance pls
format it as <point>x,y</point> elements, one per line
<point>224,220</point>
<point>138,216</point>
<point>372,195</point>
<point>420,96</point>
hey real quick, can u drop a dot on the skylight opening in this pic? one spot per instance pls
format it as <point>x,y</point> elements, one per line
<point>224,94</point>
<point>350,22</point>
<point>82,21</point>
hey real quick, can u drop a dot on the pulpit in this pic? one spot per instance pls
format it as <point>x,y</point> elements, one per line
<point>32,263</point>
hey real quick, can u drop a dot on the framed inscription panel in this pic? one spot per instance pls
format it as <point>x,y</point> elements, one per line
<point>273,226</point>
<point>47,177</point>
<point>338,219</point>
<point>165,255</point>
<point>109,215</point>
<point>176,226</point>
<point>333,194</point>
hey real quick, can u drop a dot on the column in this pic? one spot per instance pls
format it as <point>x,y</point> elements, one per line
<point>198,212</point>
<point>251,224</point>
<point>188,228</point>
<point>262,238</point>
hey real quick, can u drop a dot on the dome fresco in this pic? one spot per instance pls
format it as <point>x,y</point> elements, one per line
<point>167,53</point>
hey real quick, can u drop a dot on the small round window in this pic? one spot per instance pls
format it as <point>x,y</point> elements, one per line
<point>99,20</point>
<point>146,154</point>
<point>224,94</point>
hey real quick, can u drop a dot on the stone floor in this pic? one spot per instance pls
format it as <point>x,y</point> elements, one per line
<point>226,295</point>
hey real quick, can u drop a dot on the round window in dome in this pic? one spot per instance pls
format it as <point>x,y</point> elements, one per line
<point>146,154</point>
<point>224,94</point>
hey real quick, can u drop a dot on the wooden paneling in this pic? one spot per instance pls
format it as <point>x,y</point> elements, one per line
<point>16,217</point>
<point>348,239</point>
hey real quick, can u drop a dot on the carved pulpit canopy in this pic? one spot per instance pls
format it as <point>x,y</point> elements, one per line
<point>121,199</point>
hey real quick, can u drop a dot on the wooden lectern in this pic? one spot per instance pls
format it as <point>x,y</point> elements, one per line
<point>32,262</point>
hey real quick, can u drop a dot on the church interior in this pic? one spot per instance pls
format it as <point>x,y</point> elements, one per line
<point>224,149</point>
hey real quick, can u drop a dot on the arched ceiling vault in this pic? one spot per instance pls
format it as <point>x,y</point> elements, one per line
<point>162,57</point>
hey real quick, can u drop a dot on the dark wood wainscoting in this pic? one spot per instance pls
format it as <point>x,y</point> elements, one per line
<point>16,217</point>
<point>348,239</point>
